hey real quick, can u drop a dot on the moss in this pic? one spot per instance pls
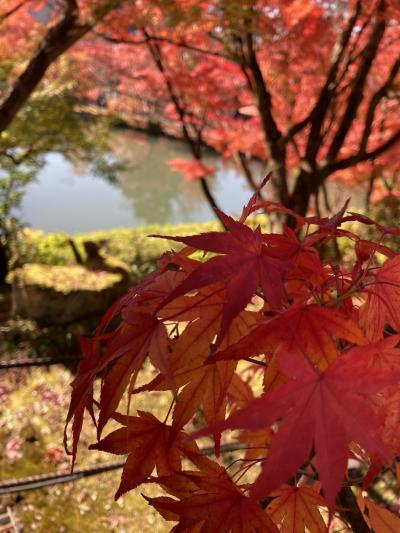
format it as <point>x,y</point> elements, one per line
<point>133,246</point>
<point>64,279</point>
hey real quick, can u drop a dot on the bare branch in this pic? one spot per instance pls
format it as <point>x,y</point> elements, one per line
<point>248,174</point>
<point>195,145</point>
<point>11,12</point>
<point>156,54</point>
<point>371,181</point>
<point>179,44</point>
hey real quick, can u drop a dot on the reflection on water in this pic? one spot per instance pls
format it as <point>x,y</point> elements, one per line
<point>147,190</point>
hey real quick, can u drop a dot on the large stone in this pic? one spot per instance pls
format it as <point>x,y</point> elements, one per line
<point>63,294</point>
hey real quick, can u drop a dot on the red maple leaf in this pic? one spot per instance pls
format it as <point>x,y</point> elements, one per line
<point>297,508</point>
<point>378,518</point>
<point>213,503</point>
<point>324,411</point>
<point>192,169</point>
<point>383,300</point>
<point>304,328</point>
<point>246,264</point>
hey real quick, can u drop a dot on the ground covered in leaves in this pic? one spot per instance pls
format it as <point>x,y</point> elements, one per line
<point>31,434</point>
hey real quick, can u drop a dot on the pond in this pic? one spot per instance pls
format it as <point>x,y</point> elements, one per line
<point>70,199</point>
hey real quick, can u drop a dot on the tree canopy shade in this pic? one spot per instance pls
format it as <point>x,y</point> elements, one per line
<point>310,87</point>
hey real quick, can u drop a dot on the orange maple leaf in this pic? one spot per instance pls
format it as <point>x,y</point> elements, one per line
<point>296,509</point>
<point>378,518</point>
<point>149,445</point>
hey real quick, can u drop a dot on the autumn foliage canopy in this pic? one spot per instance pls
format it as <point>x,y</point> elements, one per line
<point>266,349</point>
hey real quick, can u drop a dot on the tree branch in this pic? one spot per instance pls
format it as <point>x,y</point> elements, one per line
<point>195,147</point>
<point>244,164</point>
<point>358,83</point>
<point>352,54</point>
<point>341,164</point>
<point>58,39</point>
<point>318,113</point>
<point>328,91</point>
<point>376,98</point>
<point>179,44</point>
<point>273,135</point>
<point>11,12</point>
<point>155,52</point>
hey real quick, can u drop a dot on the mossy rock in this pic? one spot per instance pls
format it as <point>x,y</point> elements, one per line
<point>63,294</point>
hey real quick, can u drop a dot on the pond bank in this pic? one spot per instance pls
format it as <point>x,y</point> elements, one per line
<point>20,337</point>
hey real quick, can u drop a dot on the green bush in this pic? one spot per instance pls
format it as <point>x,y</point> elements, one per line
<point>131,245</point>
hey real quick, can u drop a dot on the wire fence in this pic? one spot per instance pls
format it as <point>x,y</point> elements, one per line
<point>55,478</point>
<point>27,362</point>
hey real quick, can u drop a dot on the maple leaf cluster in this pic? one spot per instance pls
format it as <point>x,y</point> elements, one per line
<point>297,356</point>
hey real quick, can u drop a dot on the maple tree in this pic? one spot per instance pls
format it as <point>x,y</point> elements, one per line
<point>40,33</point>
<point>296,356</point>
<point>34,34</point>
<point>309,87</point>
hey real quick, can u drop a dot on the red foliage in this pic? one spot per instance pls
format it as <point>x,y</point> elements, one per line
<point>323,337</point>
<point>310,87</point>
<point>192,170</point>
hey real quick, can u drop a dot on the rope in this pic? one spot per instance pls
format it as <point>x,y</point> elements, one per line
<point>39,361</point>
<point>46,480</point>
<point>56,478</point>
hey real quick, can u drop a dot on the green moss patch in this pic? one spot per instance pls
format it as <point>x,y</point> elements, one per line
<point>65,279</point>
<point>133,246</point>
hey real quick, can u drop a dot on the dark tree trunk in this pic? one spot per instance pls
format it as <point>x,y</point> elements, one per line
<point>351,512</point>
<point>3,263</point>
<point>59,38</point>
<point>306,186</point>
<point>244,164</point>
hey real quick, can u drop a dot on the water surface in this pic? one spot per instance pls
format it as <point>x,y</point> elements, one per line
<point>70,199</point>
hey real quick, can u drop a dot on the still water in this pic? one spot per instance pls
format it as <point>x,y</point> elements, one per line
<point>69,199</point>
